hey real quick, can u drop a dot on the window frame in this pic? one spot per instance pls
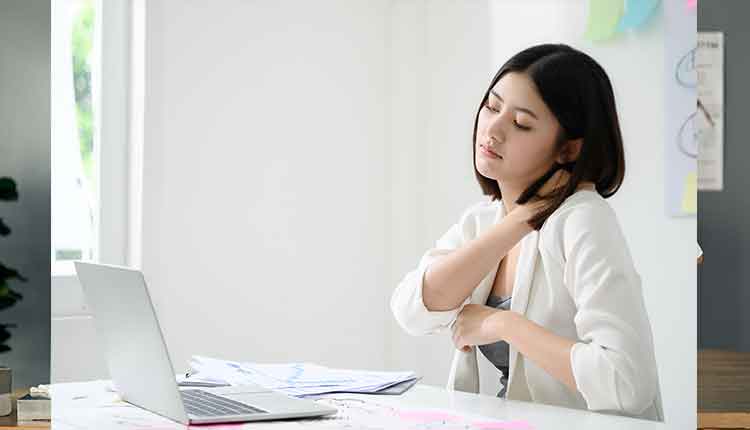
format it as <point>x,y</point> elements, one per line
<point>117,99</point>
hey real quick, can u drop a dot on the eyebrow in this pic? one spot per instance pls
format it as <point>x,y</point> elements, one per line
<point>517,108</point>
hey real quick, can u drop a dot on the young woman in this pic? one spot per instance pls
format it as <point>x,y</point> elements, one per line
<point>539,277</point>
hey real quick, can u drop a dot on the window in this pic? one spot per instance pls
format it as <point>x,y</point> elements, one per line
<point>97,121</point>
<point>95,149</point>
<point>74,159</point>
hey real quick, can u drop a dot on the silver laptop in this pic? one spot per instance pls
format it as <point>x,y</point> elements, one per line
<point>142,371</point>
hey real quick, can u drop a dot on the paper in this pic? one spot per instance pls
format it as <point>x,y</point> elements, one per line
<point>503,425</point>
<point>680,146</point>
<point>425,416</point>
<point>358,414</point>
<point>92,406</point>
<point>709,62</point>
<point>295,379</point>
<point>603,18</point>
<point>637,12</point>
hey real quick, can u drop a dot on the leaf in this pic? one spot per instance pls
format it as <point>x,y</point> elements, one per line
<point>9,300</point>
<point>8,189</point>
<point>8,273</point>
<point>4,229</point>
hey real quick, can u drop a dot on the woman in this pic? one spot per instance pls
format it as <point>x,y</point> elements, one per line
<point>539,277</point>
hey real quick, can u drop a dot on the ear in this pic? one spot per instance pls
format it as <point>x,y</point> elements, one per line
<point>570,151</point>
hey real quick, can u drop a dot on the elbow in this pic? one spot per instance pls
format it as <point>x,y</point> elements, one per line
<point>638,394</point>
<point>614,382</point>
<point>410,312</point>
<point>410,328</point>
<point>404,313</point>
<point>408,321</point>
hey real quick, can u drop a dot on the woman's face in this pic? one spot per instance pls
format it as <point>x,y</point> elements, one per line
<point>516,133</point>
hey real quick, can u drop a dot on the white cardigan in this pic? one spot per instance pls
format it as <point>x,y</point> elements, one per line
<point>576,278</point>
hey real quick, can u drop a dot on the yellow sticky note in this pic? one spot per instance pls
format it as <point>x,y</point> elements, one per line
<point>604,15</point>
<point>690,194</point>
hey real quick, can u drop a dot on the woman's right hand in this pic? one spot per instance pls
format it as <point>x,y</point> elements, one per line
<point>558,180</point>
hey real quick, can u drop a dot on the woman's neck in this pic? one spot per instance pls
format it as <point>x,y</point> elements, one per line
<point>511,192</point>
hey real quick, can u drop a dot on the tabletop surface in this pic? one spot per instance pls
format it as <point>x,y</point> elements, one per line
<point>723,381</point>
<point>723,389</point>
<point>75,411</point>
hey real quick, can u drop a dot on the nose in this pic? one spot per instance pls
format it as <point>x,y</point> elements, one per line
<point>497,125</point>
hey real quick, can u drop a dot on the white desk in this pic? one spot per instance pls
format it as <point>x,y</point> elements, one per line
<point>81,413</point>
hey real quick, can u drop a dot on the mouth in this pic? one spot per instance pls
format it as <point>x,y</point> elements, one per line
<point>489,153</point>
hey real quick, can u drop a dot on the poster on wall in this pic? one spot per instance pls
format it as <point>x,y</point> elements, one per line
<point>709,63</point>
<point>681,149</point>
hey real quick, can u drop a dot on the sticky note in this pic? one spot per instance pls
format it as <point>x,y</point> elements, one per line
<point>690,194</point>
<point>502,425</point>
<point>604,15</point>
<point>637,12</point>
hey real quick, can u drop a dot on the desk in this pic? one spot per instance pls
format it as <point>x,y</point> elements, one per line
<point>723,389</point>
<point>541,417</point>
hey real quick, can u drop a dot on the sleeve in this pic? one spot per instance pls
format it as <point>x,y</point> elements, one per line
<point>613,361</point>
<point>407,303</point>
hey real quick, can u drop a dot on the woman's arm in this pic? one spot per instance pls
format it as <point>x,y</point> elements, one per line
<point>482,325</point>
<point>546,349</point>
<point>611,363</point>
<point>451,279</point>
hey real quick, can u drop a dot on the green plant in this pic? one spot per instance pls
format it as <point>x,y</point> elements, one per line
<point>8,297</point>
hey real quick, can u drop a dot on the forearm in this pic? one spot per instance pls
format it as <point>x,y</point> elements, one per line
<point>452,278</point>
<point>546,349</point>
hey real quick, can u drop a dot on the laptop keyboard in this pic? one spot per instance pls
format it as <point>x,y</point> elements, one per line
<point>204,404</point>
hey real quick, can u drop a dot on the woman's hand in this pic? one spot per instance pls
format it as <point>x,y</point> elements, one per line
<point>477,325</point>
<point>556,181</point>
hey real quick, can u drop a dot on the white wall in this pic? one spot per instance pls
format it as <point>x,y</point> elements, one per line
<point>264,209</point>
<point>441,66</point>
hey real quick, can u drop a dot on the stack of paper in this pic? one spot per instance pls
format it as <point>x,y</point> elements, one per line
<point>296,379</point>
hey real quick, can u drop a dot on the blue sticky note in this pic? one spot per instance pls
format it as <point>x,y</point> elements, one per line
<point>637,12</point>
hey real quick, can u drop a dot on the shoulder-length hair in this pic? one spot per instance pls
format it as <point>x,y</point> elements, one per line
<point>578,92</point>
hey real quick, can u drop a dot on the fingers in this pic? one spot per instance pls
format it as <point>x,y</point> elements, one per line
<point>457,336</point>
<point>558,180</point>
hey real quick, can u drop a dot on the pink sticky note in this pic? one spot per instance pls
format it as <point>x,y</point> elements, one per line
<point>426,416</point>
<point>502,425</point>
<point>692,4</point>
<point>230,426</point>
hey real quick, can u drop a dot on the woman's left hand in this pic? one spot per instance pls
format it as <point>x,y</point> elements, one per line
<point>477,325</point>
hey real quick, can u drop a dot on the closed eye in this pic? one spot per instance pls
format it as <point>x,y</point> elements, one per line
<point>518,126</point>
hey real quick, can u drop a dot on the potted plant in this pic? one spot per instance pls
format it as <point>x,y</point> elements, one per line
<point>8,298</point>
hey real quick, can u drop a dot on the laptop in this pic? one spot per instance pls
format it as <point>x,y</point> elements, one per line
<point>140,367</point>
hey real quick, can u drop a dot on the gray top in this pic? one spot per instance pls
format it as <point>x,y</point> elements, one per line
<point>498,353</point>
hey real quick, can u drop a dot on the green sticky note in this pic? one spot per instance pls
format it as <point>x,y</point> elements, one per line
<point>604,15</point>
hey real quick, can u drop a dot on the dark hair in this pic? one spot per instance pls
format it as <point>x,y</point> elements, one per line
<point>578,92</point>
